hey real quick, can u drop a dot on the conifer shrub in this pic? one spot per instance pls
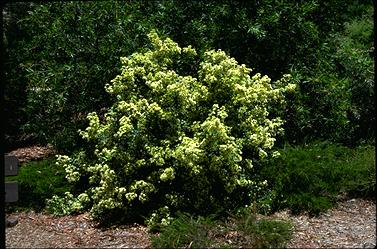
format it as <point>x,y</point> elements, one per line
<point>313,177</point>
<point>182,135</point>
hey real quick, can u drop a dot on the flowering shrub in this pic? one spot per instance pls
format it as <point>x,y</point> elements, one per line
<point>181,136</point>
<point>64,205</point>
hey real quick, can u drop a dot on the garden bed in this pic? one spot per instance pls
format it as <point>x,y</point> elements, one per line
<point>352,224</point>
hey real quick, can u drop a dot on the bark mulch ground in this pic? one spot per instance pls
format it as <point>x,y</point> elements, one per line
<point>352,224</point>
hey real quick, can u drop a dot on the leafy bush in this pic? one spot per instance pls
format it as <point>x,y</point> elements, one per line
<point>182,135</point>
<point>268,35</point>
<point>320,108</point>
<point>336,92</point>
<point>63,205</point>
<point>312,177</point>
<point>355,60</point>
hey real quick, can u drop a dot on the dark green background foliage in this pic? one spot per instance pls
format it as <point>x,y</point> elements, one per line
<point>14,87</point>
<point>65,53</point>
<point>336,100</point>
<point>61,54</point>
<point>269,35</point>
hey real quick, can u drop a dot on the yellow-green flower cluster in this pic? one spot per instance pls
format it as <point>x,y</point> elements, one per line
<point>160,217</point>
<point>66,204</point>
<point>71,170</point>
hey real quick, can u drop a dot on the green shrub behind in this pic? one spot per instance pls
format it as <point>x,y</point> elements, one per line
<point>64,54</point>
<point>336,92</point>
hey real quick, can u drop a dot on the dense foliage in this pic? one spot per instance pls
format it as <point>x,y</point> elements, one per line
<point>61,54</point>
<point>336,97</point>
<point>14,83</point>
<point>177,142</point>
<point>190,129</point>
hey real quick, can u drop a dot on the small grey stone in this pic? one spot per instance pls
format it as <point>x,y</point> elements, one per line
<point>11,221</point>
<point>369,245</point>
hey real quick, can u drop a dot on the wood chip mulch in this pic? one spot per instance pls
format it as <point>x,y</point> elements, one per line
<point>35,152</point>
<point>37,230</point>
<point>352,224</point>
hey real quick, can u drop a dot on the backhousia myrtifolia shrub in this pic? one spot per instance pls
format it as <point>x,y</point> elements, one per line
<point>182,135</point>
